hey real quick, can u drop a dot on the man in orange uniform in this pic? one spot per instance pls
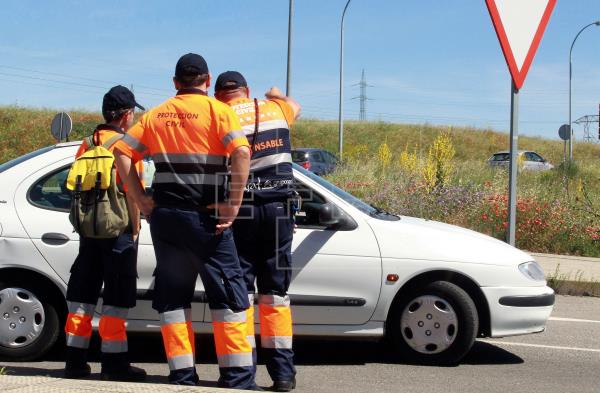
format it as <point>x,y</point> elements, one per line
<point>190,138</point>
<point>109,261</point>
<point>263,233</point>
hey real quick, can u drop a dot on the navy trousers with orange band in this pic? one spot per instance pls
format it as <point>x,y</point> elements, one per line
<point>263,235</point>
<point>112,262</point>
<point>185,246</point>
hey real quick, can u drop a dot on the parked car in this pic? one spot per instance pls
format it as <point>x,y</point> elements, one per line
<point>318,161</point>
<point>531,160</point>
<point>358,271</point>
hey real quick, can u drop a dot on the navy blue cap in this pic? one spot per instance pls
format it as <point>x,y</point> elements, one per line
<point>118,98</point>
<point>230,80</point>
<point>191,64</point>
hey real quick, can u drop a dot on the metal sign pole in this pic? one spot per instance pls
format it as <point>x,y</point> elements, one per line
<point>289,51</point>
<point>341,108</point>
<point>514,153</point>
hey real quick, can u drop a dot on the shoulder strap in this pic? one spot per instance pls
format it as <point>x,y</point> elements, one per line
<point>256,122</point>
<point>282,112</point>
<point>108,144</point>
<point>90,141</point>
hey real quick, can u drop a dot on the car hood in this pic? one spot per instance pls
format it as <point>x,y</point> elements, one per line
<point>416,238</point>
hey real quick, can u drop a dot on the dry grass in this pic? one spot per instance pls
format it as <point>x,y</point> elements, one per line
<point>564,284</point>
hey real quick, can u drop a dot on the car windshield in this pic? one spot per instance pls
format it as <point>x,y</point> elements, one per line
<point>7,165</point>
<point>299,156</point>
<point>351,199</point>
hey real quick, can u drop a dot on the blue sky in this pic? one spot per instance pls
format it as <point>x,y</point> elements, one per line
<point>427,61</point>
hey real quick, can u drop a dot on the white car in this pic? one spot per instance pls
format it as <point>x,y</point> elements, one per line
<point>431,288</point>
<point>530,160</point>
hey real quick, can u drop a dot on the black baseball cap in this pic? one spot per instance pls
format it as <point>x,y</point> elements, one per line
<point>119,97</point>
<point>191,64</point>
<point>230,80</point>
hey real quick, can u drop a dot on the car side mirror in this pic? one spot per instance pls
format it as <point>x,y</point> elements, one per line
<point>333,217</point>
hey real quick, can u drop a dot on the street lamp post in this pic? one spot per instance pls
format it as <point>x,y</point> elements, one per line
<point>341,109</point>
<point>289,51</point>
<point>597,23</point>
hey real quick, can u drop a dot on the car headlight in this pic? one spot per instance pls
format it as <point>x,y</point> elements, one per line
<point>532,270</point>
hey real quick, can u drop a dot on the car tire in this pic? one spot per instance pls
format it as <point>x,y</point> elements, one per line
<point>20,305</point>
<point>434,325</point>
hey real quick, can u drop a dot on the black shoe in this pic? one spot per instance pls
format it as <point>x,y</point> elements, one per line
<point>82,371</point>
<point>130,374</point>
<point>255,388</point>
<point>284,386</point>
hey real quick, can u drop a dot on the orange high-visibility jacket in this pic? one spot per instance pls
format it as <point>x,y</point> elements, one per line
<point>189,137</point>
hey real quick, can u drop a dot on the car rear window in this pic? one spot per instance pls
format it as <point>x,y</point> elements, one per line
<point>299,156</point>
<point>7,165</point>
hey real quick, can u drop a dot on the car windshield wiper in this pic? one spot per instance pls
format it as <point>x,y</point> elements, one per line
<point>380,211</point>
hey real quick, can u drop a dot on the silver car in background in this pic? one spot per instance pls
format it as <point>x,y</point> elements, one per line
<point>531,160</point>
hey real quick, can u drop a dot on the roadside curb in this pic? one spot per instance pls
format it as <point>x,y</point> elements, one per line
<point>571,267</point>
<point>17,384</point>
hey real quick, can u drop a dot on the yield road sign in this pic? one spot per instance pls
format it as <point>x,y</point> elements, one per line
<point>520,25</point>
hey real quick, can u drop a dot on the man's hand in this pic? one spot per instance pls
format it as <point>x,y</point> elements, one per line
<point>227,213</point>
<point>146,205</point>
<point>228,210</point>
<point>274,93</point>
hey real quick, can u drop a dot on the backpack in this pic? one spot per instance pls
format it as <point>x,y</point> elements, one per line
<point>98,207</point>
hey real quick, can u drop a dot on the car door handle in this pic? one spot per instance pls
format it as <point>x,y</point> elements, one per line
<point>54,239</point>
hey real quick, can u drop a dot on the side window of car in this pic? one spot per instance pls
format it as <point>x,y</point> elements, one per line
<point>317,156</point>
<point>310,205</point>
<point>329,158</point>
<point>536,157</point>
<point>334,159</point>
<point>50,192</point>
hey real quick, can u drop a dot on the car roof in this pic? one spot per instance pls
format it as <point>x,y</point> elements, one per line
<point>520,152</point>
<point>308,149</point>
<point>68,144</point>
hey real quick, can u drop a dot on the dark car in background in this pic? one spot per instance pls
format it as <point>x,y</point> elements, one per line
<point>318,161</point>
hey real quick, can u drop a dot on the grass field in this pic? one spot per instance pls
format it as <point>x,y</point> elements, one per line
<point>421,170</point>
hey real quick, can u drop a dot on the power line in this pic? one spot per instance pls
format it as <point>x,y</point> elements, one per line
<point>71,83</point>
<point>78,77</point>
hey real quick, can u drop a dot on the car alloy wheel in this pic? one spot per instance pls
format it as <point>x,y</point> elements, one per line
<point>429,324</point>
<point>22,318</point>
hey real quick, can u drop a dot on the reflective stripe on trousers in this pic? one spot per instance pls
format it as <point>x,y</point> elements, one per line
<point>178,338</point>
<point>275,321</point>
<point>112,329</point>
<point>250,322</point>
<point>231,338</point>
<point>78,327</point>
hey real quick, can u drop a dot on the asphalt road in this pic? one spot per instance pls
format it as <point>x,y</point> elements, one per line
<point>566,358</point>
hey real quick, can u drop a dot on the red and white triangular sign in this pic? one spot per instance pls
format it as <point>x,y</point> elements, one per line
<point>520,25</point>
